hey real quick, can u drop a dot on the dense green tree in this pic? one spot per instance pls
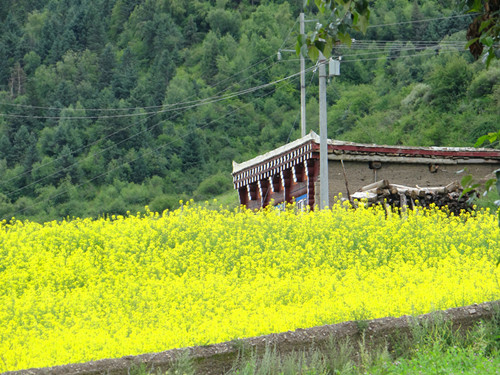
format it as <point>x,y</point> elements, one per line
<point>20,143</point>
<point>209,58</point>
<point>4,66</point>
<point>107,63</point>
<point>449,83</point>
<point>124,75</point>
<point>5,148</point>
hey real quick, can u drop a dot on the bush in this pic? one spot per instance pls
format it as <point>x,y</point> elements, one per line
<point>213,185</point>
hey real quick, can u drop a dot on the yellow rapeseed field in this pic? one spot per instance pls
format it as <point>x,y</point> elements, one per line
<point>83,289</point>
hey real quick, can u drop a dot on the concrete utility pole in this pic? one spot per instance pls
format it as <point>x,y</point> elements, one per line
<point>323,135</point>
<point>302,84</point>
<point>333,70</point>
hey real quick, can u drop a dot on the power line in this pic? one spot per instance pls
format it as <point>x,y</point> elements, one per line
<point>423,20</point>
<point>289,32</point>
<point>265,59</point>
<point>148,107</point>
<point>133,124</point>
<point>118,131</point>
<point>113,133</point>
<point>131,161</point>
<point>243,92</point>
<point>197,103</point>
<point>101,151</point>
<point>398,57</point>
<point>409,49</point>
<point>418,52</point>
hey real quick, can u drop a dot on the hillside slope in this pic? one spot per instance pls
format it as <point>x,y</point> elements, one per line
<point>107,106</point>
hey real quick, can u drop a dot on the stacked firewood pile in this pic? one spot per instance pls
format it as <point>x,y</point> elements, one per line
<point>382,192</point>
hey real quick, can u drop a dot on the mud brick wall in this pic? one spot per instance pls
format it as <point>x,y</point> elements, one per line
<point>360,173</point>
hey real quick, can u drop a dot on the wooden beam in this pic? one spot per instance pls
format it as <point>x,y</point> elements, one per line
<point>410,159</point>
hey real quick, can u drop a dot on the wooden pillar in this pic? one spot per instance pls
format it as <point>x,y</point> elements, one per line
<point>313,173</point>
<point>266,192</point>
<point>286,181</point>
<point>243,194</point>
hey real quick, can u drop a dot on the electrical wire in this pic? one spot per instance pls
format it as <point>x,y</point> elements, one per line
<point>423,20</point>
<point>132,161</point>
<point>106,137</point>
<point>400,57</point>
<point>107,148</point>
<point>289,32</point>
<point>210,100</point>
<point>152,127</point>
<point>418,52</point>
<point>148,107</point>
<point>265,59</point>
<point>133,124</point>
<point>161,106</point>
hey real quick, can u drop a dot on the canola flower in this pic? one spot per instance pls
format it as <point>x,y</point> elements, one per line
<point>83,289</point>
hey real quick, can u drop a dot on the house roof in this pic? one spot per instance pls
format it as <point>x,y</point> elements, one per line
<point>312,136</point>
<point>302,149</point>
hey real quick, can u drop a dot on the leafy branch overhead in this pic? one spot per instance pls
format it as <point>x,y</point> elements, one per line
<point>342,17</point>
<point>484,31</point>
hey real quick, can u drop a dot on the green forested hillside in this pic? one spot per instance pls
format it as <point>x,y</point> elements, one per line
<point>110,105</point>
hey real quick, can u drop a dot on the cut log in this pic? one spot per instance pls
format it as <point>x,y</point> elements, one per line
<point>406,196</point>
<point>403,202</point>
<point>382,184</point>
<point>400,186</point>
<point>454,186</point>
<point>370,196</point>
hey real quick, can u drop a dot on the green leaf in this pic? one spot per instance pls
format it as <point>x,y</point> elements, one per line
<point>481,140</point>
<point>320,45</point>
<point>321,5</point>
<point>465,191</point>
<point>466,180</point>
<point>313,37</point>
<point>327,50</point>
<point>487,41</point>
<point>490,57</point>
<point>476,6</point>
<point>304,50</point>
<point>345,38</point>
<point>313,53</point>
<point>485,24</point>
<point>489,184</point>
<point>355,16</point>
<point>471,42</point>
<point>363,22</point>
<point>361,6</point>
